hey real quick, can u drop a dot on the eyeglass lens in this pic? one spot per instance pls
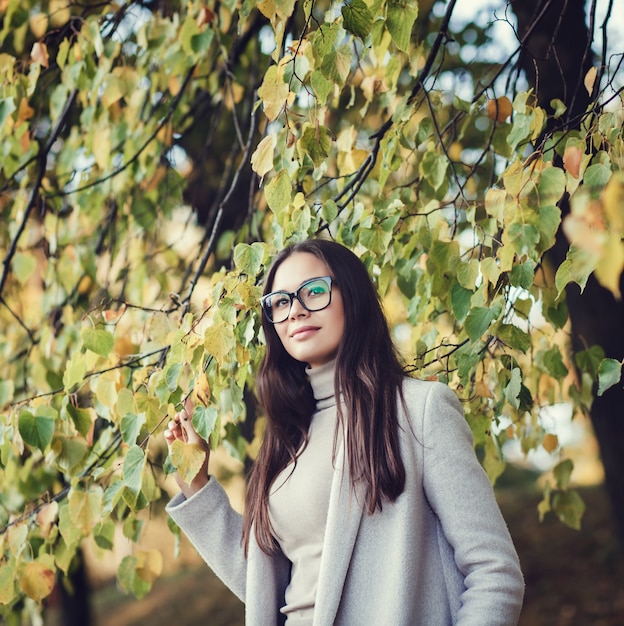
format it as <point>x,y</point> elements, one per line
<point>313,295</point>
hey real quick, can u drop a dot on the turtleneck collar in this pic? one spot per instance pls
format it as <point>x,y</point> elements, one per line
<point>322,382</point>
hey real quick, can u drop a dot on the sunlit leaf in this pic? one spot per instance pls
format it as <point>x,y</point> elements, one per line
<point>187,458</point>
<point>85,508</point>
<point>149,564</point>
<point>97,340</point>
<point>278,192</point>
<point>262,158</point>
<point>37,580</point>
<point>399,21</point>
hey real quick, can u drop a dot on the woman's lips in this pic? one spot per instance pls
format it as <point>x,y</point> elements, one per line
<point>303,332</point>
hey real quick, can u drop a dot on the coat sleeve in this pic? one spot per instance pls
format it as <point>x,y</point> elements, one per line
<point>215,530</point>
<point>462,498</point>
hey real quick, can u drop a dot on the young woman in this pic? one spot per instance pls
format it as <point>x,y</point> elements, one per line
<point>366,504</point>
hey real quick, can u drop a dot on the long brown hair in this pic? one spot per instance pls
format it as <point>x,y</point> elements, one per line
<point>369,377</point>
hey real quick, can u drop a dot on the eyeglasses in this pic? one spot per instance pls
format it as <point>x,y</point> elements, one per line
<point>313,295</point>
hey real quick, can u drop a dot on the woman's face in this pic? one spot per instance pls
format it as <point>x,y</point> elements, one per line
<point>311,337</point>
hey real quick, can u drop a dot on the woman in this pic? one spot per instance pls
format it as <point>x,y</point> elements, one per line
<point>366,504</point>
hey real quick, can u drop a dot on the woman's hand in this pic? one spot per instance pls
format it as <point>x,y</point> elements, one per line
<point>181,428</point>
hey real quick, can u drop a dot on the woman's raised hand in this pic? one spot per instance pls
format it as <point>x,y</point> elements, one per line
<point>181,428</point>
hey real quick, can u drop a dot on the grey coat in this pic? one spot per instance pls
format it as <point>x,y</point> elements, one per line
<point>440,554</point>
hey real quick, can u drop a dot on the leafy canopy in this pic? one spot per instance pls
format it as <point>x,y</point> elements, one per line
<point>154,160</point>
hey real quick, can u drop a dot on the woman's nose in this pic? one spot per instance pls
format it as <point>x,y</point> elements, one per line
<point>297,309</point>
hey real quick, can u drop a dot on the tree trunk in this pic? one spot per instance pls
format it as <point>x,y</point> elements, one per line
<point>556,57</point>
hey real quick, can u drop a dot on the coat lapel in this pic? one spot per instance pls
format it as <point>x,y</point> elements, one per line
<point>343,521</point>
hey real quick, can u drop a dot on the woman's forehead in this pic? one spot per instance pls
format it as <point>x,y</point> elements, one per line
<point>296,269</point>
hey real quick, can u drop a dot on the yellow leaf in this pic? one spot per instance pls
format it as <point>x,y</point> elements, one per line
<point>273,92</point>
<point>187,458</point>
<point>262,158</point>
<point>201,389</point>
<point>611,265</point>
<point>149,564</point>
<point>550,443</point>
<point>613,202</point>
<point>495,203</point>
<point>219,342</point>
<point>37,580</point>
<point>233,95</point>
<point>38,24</point>
<point>102,147</point>
<point>59,12</point>
<point>589,80</point>
<point>85,509</point>
<point>39,53</point>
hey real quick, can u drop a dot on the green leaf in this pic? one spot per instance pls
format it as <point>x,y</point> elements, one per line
<point>6,392</point>
<point>514,337</point>
<point>562,472</point>
<point>479,320</point>
<point>278,192</point>
<point>522,275</point>
<point>23,266</point>
<point>134,463</point>
<point>204,420</point>
<point>512,390</point>
<point>131,427</point>
<point>97,340</point>
<point>460,302</point>
<point>82,418</point>
<point>577,267</point>
<point>129,580</point>
<point>523,237</point>
<point>557,314</point>
<point>569,507</point>
<point>609,374</point>
<point>75,370</point>
<point>553,361</point>
<point>433,167</point>
<point>7,583</point>
<point>36,430</point>
<point>104,534</point>
<point>375,239</point>
<point>248,259</point>
<point>7,107</point>
<point>357,19</point>
<point>399,21</point>
<point>315,142</point>
<point>551,185</point>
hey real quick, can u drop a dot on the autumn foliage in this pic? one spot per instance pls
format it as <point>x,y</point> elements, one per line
<point>154,158</point>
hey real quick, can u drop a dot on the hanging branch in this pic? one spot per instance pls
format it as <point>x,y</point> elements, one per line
<point>34,194</point>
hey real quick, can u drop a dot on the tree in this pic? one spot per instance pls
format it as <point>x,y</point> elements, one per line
<point>156,155</point>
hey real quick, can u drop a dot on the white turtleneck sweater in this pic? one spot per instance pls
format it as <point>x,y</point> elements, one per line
<point>299,501</point>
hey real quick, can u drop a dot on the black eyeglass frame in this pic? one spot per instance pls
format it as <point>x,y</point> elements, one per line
<point>295,294</point>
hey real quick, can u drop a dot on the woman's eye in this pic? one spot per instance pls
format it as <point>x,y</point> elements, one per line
<point>280,303</point>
